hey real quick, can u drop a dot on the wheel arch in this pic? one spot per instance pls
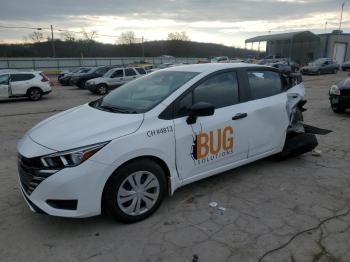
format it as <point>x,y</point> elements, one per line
<point>32,87</point>
<point>162,163</point>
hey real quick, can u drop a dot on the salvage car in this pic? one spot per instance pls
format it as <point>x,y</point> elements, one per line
<point>31,84</point>
<point>123,152</point>
<point>65,78</point>
<point>339,96</point>
<point>321,66</point>
<point>346,66</point>
<point>80,79</point>
<point>113,79</point>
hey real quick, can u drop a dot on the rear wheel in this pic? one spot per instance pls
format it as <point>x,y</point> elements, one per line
<point>81,85</point>
<point>34,94</point>
<point>135,191</point>
<point>102,89</point>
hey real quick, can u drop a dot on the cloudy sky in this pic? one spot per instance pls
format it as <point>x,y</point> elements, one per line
<point>228,22</point>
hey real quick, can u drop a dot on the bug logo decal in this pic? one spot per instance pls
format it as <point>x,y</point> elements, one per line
<point>212,145</point>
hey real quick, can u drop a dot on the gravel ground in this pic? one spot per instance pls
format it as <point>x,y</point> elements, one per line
<point>295,210</point>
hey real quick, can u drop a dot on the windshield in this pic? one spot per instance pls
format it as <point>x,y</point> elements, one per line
<point>143,94</point>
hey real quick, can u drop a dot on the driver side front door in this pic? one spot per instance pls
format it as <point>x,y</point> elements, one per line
<point>213,143</point>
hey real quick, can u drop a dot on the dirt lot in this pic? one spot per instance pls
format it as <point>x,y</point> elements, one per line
<point>299,208</point>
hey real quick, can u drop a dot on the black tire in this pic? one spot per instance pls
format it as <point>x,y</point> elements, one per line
<point>337,108</point>
<point>118,181</point>
<point>318,72</point>
<point>101,89</point>
<point>34,94</point>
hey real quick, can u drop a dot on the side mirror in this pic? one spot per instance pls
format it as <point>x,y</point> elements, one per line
<point>199,109</point>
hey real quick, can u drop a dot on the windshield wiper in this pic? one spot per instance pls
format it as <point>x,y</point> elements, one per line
<point>116,109</point>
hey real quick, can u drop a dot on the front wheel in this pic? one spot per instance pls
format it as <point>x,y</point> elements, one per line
<point>101,89</point>
<point>337,109</point>
<point>135,191</point>
<point>34,94</point>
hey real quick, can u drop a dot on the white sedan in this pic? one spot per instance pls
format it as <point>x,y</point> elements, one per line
<point>125,151</point>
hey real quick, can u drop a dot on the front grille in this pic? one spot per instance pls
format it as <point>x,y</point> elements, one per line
<point>31,173</point>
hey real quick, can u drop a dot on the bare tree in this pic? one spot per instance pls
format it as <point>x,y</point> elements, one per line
<point>89,36</point>
<point>37,37</point>
<point>180,36</point>
<point>68,36</point>
<point>127,38</point>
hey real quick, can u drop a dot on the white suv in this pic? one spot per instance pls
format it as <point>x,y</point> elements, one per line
<point>24,84</point>
<point>113,79</point>
<point>124,151</point>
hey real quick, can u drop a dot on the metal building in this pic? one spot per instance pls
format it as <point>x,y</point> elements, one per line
<point>335,45</point>
<point>299,46</point>
<point>305,46</point>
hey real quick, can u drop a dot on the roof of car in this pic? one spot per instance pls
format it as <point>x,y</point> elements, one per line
<point>201,68</point>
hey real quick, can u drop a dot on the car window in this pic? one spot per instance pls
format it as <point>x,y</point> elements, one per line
<point>146,92</point>
<point>264,84</point>
<point>129,72</point>
<point>21,77</point>
<point>102,70</point>
<point>140,70</point>
<point>117,73</point>
<point>4,79</point>
<point>220,90</point>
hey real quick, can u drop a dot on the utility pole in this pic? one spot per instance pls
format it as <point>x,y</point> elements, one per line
<point>143,49</point>
<point>341,16</point>
<point>53,43</point>
<point>325,27</point>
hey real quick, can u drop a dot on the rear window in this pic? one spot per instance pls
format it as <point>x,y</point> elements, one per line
<point>21,77</point>
<point>264,84</point>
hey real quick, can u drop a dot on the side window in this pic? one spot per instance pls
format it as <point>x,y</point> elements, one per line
<point>220,90</point>
<point>129,72</point>
<point>118,73</point>
<point>21,77</point>
<point>4,79</point>
<point>264,84</point>
<point>140,70</point>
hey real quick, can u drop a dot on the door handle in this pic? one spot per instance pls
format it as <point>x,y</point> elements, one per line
<point>239,116</point>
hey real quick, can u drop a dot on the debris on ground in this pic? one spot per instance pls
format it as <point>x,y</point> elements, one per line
<point>316,152</point>
<point>213,204</point>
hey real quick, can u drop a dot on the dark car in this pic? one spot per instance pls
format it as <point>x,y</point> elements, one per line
<point>321,66</point>
<point>80,79</point>
<point>339,96</point>
<point>346,66</point>
<point>286,67</point>
<point>64,78</point>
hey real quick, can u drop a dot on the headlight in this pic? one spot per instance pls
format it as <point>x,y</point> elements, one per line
<point>71,158</point>
<point>334,90</point>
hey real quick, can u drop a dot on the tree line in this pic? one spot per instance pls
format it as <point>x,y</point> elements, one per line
<point>127,45</point>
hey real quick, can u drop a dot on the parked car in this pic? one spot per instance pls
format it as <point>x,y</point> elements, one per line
<point>321,66</point>
<point>80,79</point>
<point>113,78</point>
<point>123,152</point>
<point>339,96</point>
<point>30,84</point>
<point>65,78</point>
<point>346,66</point>
<point>220,59</point>
<point>286,67</point>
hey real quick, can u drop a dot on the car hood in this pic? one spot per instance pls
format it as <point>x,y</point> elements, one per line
<point>96,80</point>
<point>82,126</point>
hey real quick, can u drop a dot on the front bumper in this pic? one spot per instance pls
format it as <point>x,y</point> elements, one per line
<point>308,72</point>
<point>82,185</point>
<point>341,100</point>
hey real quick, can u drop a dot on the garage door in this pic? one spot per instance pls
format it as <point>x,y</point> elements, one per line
<point>339,52</point>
